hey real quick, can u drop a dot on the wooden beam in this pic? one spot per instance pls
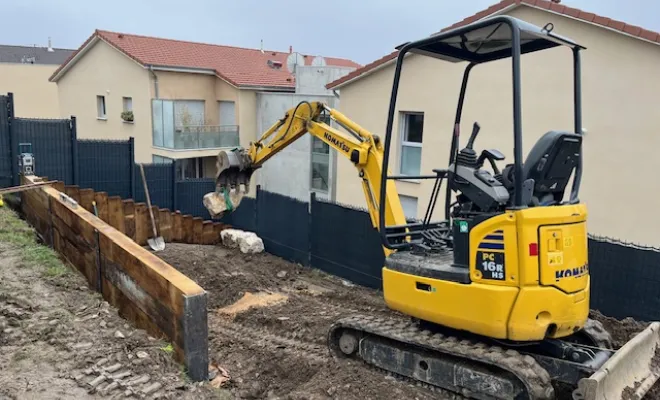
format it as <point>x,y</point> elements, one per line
<point>101,199</point>
<point>22,188</point>
<point>146,290</point>
<point>73,191</point>
<point>86,199</point>
<point>198,230</point>
<point>116,213</point>
<point>177,226</point>
<point>165,220</point>
<point>141,224</point>
<point>129,218</point>
<point>208,234</point>
<point>187,228</point>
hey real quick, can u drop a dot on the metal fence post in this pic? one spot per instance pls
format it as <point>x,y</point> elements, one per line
<point>310,216</point>
<point>13,139</point>
<point>174,187</point>
<point>74,150</point>
<point>131,163</point>
<point>256,211</point>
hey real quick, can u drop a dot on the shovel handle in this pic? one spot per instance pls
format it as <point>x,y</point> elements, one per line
<point>146,193</point>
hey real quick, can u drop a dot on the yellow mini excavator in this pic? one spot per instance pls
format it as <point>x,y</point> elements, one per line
<point>497,292</point>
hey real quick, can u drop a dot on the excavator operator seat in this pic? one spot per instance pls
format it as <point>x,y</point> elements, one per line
<point>550,164</point>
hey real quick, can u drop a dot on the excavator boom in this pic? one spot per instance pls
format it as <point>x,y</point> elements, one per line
<point>363,149</point>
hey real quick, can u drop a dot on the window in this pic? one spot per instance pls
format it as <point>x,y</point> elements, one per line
<point>409,204</point>
<point>100,107</point>
<point>161,159</point>
<point>189,168</point>
<point>128,103</point>
<point>320,161</point>
<point>412,125</point>
<point>320,164</point>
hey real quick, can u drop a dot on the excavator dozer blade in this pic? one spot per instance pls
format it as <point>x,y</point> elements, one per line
<point>232,182</point>
<point>629,373</point>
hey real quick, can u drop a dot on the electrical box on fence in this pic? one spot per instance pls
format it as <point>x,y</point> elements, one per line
<point>25,159</point>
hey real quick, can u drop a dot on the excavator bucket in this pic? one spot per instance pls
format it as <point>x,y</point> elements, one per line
<point>629,373</point>
<point>232,182</point>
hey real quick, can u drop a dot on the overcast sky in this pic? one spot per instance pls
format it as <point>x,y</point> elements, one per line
<point>362,30</point>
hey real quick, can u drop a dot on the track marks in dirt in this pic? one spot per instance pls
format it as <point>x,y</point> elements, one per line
<point>279,351</point>
<point>53,329</point>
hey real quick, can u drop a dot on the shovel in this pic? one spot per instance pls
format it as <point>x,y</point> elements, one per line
<point>156,243</point>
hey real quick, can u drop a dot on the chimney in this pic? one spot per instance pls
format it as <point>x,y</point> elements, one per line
<point>262,46</point>
<point>50,47</point>
<point>290,49</point>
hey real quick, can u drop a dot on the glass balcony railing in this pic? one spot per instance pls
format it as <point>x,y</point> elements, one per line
<point>198,137</point>
<point>205,137</point>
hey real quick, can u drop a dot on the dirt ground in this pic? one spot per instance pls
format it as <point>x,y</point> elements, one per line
<point>60,340</point>
<point>268,320</point>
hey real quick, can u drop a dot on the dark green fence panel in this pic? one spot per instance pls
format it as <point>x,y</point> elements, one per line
<point>244,217</point>
<point>283,225</point>
<point>190,193</point>
<point>51,141</point>
<point>160,181</point>
<point>625,279</point>
<point>344,243</point>
<point>105,166</point>
<point>5,143</point>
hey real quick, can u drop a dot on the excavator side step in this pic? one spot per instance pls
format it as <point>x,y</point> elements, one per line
<point>473,369</point>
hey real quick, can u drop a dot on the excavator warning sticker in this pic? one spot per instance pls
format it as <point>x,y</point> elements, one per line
<point>491,265</point>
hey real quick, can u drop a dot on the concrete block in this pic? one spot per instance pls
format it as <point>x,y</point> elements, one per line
<point>246,242</point>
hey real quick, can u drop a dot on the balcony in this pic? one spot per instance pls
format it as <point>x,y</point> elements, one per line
<point>181,125</point>
<point>203,137</point>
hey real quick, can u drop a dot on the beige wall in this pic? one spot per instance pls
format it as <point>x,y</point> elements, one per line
<point>621,80</point>
<point>186,86</point>
<point>105,71</point>
<point>34,95</point>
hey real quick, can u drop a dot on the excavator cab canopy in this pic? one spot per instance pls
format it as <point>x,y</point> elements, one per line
<point>491,39</point>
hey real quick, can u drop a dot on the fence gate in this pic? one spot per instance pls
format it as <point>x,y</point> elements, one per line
<point>52,146</point>
<point>5,142</point>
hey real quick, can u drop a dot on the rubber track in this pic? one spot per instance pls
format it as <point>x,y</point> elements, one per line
<point>529,372</point>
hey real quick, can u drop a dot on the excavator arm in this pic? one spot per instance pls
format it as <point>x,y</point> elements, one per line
<point>362,148</point>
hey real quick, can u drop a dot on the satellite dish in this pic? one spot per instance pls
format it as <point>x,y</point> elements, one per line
<point>294,59</point>
<point>319,62</point>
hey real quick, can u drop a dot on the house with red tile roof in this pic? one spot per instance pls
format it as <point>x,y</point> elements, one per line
<point>180,100</point>
<point>620,103</point>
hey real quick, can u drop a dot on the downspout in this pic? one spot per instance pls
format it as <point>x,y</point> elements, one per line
<point>151,69</point>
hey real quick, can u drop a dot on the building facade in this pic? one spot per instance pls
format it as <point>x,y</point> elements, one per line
<point>181,101</point>
<point>620,86</point>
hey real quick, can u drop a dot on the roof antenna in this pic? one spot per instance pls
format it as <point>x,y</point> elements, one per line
<point>262,46</point>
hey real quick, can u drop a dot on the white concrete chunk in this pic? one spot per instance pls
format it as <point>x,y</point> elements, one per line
<point>247,242</point>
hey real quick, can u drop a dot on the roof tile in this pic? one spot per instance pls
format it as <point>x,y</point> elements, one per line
<point>571,12</point>
<point>618,25</point>
<point>556,7</point>
<point>632,30</point>
<point>540,4</point>
<point>648,35</point>
<point>587,16</point>
<point>601,20</point>
<point>239,66</point>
